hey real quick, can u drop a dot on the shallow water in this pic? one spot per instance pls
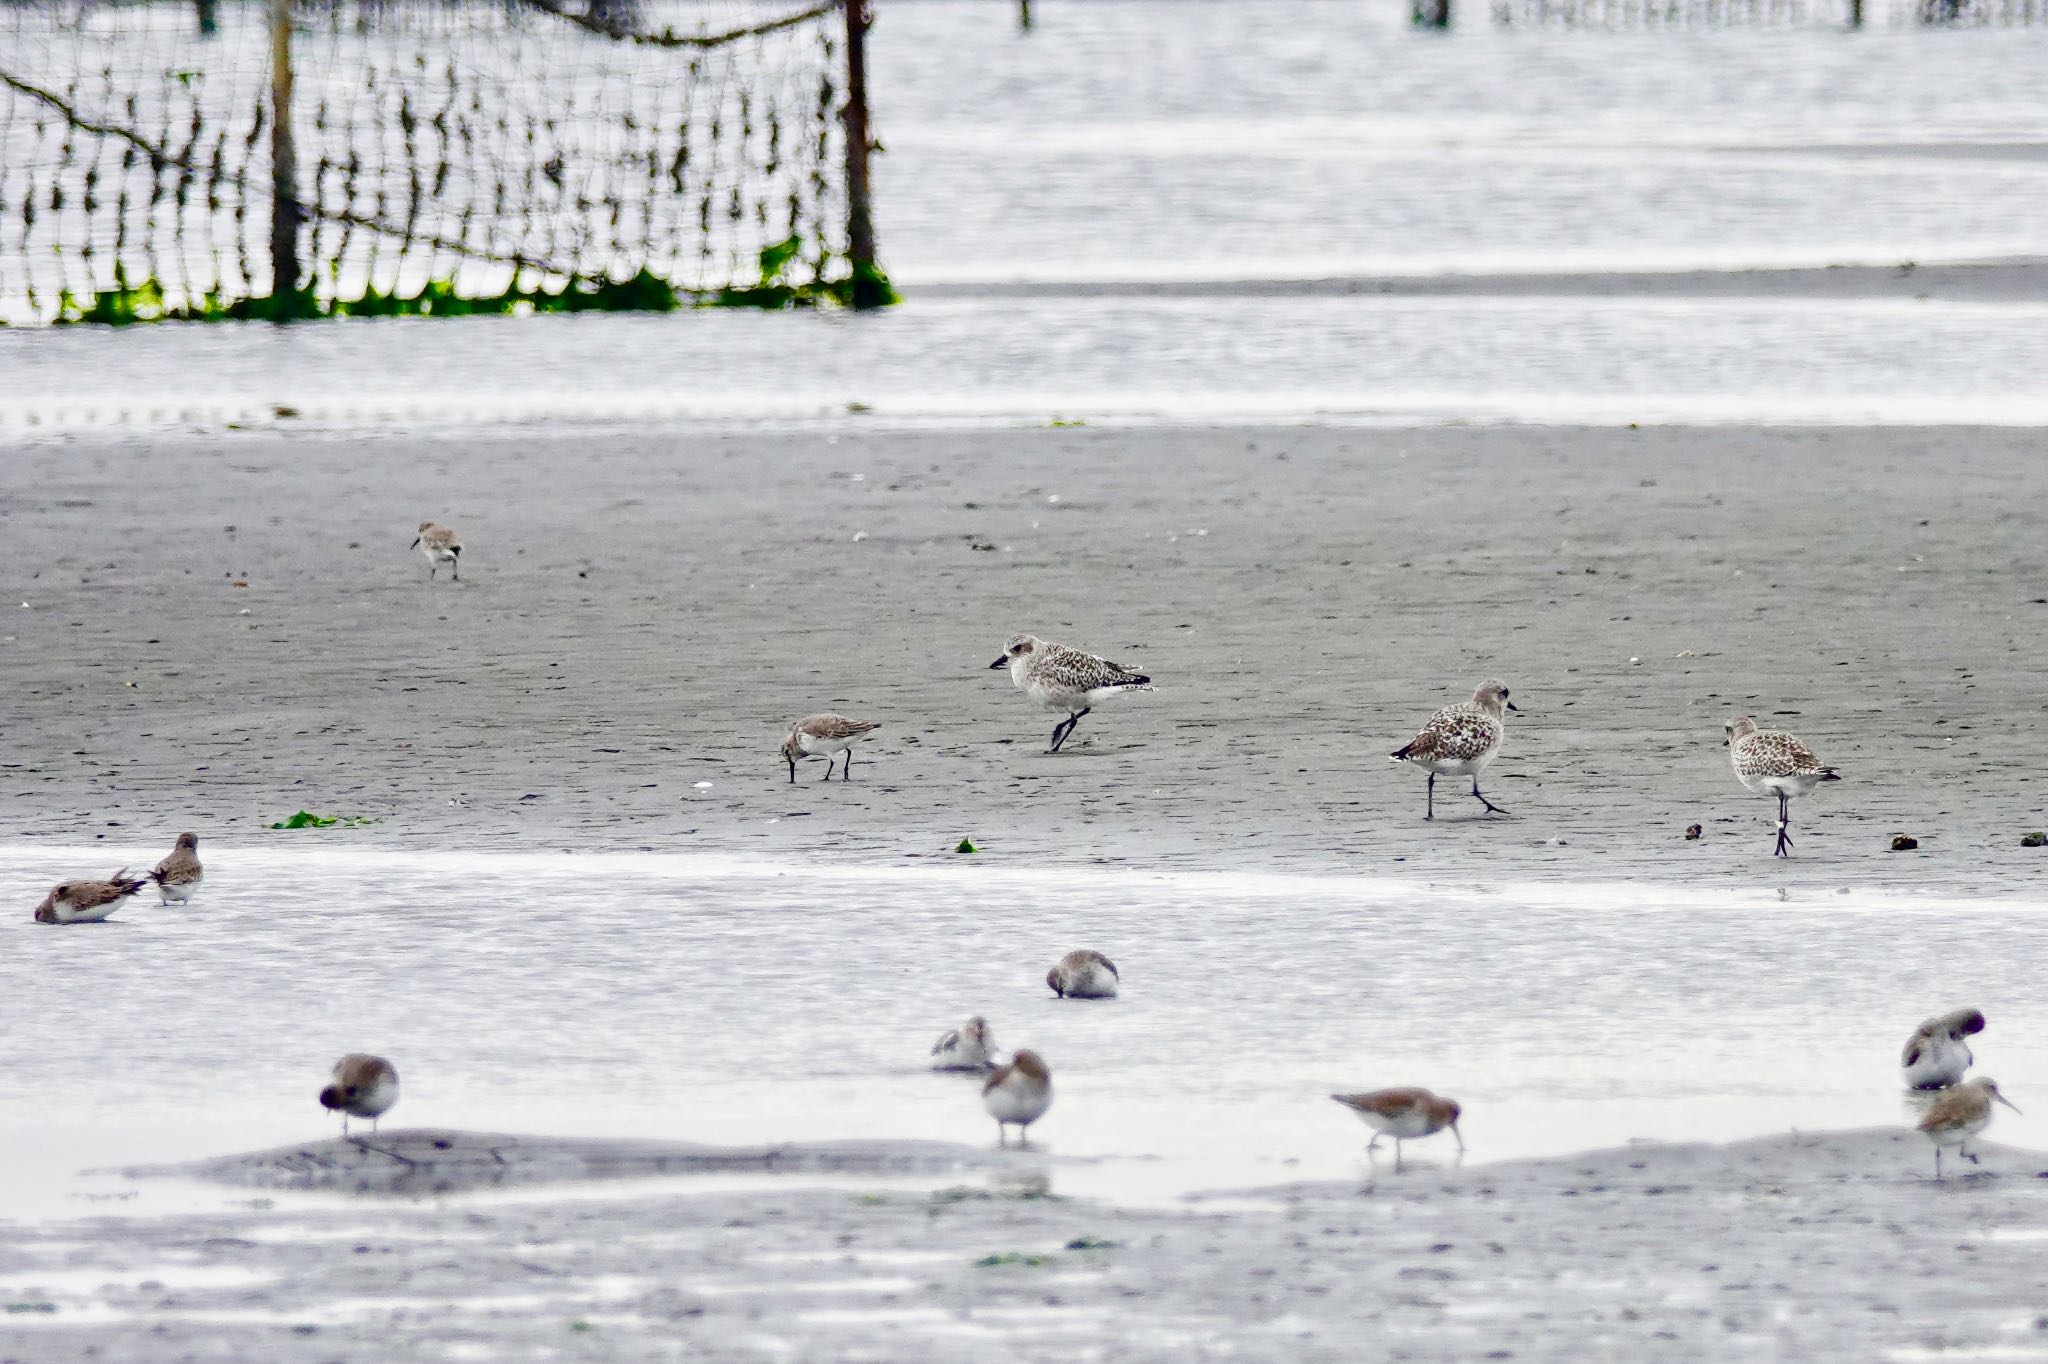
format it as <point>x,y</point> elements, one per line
<point>710,1000</point>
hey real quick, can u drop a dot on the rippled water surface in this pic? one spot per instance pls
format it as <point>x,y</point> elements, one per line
<point>722,1002</point>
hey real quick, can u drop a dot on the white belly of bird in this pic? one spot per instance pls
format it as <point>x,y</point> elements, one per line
<point>1406,1127</point>
<point>1094,982</point>
<point>67,913</point>
<point>179,891</point>
<point>815,744</point>
<point>964,1055</point>
<point>437,556</point>
<point>375,1100</point>
<point>1015,1104</point>
<point>1457,767</point>
<point>1956,1136</point>
<point>1942,1062</point>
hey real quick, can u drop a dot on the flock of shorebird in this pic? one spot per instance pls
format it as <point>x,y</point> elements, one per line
<point>1458,741</point>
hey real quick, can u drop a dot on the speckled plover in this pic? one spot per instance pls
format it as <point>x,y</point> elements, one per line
<point>1461,740</point>
<point>1060,678</point>
<point>439,545</point>
<point>1936,1055</point>
<point>1960,1114</point>
<point>87,902</point>
<point>1083,974</point>
<point>178,875</point>
<point>1018,1093</point>
<point>362,1086</point>
<point>825,734</point>
<point>1404,1114</point>
<point>1772,763</point>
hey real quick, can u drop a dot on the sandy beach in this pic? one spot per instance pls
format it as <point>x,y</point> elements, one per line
<point>1831,1246</point>
<point>215,631</point>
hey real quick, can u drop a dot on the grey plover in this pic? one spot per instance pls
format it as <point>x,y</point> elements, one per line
<point>968,1047</point>
<point>1936,1055</point>
<point>1083,974</point>
<point>1460,741</point>
<point>1960,1114</point>
<point>439,545</point>
<point>1064,679</point>
<point>178,875</point>
<point>1768,762</point>
<point>1018,1093</point>
<point>362,1086</point>
<point>825,734</point>
<point>87,902</point>
<point>1404,1114</point>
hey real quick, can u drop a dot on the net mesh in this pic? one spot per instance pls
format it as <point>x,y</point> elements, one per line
<point>468,147</point>
<point>1640,14</point>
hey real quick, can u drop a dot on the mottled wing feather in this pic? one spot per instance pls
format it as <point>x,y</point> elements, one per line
<point>1768,753</point>
<point>831,726</point>
<point>1071,670</point>
<point>949,1043</point>
<point>1953,1109</point>
<point>180,868</point>
<point>996,1077</point>
<point>1456,732</point>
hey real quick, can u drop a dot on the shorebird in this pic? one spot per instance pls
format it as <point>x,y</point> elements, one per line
<point>1461,740</point>
<point>1960,1114</point>
<point>1018,1093</point>
<point>1060,678</point>
<point>1404,1114</point>
<point>440,545</point>
<point>87,902</point>
<point>1769,762</point>
<point>827,734</point>
<point>362,1086</point>
<point>177,876</point>
<point>966,1047</point>
<point>1936,1055</point>
<point>1083,974</point>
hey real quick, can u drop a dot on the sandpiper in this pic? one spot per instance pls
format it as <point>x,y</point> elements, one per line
<point>1960,1114</point>
<point>1404,1114</point>
<point>362,1086</point>
<point>1018,1093</point>
<point>177,876</point>
<point>1936,1055</point>
<point>827,734</point>
<point>1773,763</point>
<point>1461,740</point>
<point>1083,974</point>
<point>967,1047</point>
<point>1060,678</point>
<point>440,545</point>
<point>87,902</point>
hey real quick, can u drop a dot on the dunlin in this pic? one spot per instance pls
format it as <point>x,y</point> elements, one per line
<point>1960,1114</point>
<point>440,545</point>
<point>1404,1114</point>
<point>1936,1055</point>
<point>1060,678</point>
<point>1460,741</point>
<point>827,734</point>
<point>1777,764</point>
<point>177,876</point>
<point>967,1047</point>
<point>1018,1093</point>
<point>1083,974</point>
<point>87,902</point>
<point>362,1086</point>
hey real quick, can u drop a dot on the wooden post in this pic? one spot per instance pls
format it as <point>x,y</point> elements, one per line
<point>870,288</point>
<point>284,169</point>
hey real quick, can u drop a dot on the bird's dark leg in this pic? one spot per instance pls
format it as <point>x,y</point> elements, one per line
<point>1491,808</point>
<point>1963,1149</point>
<point>1431,808</point>
<point>1784,821</point>
<point>1072,720</point>
<point>828,767</point>
<point>846,774</point>
<point>1059,734</point>
<point>1374,1143</point>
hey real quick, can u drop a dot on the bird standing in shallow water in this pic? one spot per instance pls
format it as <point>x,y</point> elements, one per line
<point>1018,1093</point>
<point>440,545</point>
<point>1460,740</point>
<point>177,876</point>
<point>1404,1114</point>
<point>87,902</point>
<point>828,734</point>
<point>1768,762</point>
<point>1960,1114</point>
<point>1060,678</point>
<point>362,1086</point>
<point>1936,1055</point>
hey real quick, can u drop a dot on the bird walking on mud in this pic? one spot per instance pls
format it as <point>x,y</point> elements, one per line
<point>1064,679</point>
<point>1960,1114</point>
<point>1405,1114</point>
<point>177,877</point>
<point>1460,741</point>
<point>439,545</point>
<point>825,734</point>
<point>1771,763</point>
<point>1936,1055</point>
<point>362,1086</point>
<point>1018,1093</point>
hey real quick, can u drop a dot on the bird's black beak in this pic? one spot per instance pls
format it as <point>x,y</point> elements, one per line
<point>1515,708</point>
<point>1726,742</point>
<point>2007,1102</point>
<point>1002,662</point>
<point>415,543</point>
